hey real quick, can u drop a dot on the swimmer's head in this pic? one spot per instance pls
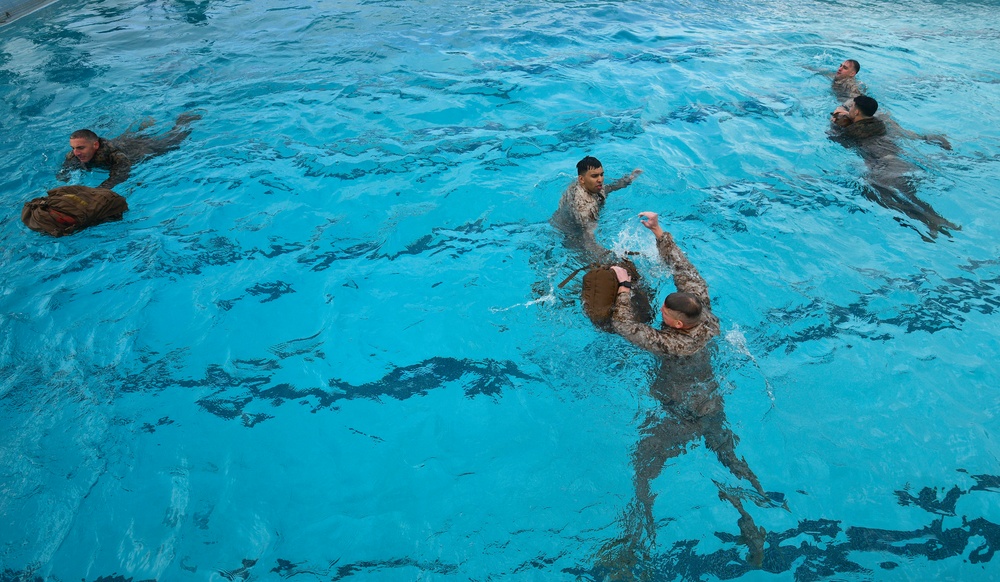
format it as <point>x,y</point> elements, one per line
<point>866,105</point>
<point>590,174</point>
<point>587,163</point>
<point>681,311</point>
<point>848,68</point>
<point>84,144</point>
<point>841,119</point>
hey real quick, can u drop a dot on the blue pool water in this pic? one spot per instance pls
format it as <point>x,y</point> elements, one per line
<point>326,342</point>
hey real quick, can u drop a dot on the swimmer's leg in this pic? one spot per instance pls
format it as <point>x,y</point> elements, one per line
<point>148,147</point>
<point>137,127</point>
<point>751,535</point>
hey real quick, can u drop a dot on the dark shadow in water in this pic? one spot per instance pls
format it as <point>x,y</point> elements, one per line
<point>823,549</point>
<point>191,253</point>
<point>739,205</point>
<point>700,113</point>
<point>251,397</point>
<point>934,304</point>
<point>193,12</point>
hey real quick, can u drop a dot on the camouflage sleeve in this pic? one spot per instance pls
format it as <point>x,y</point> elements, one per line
<point>854,89</point>
<point>618,184</point>
<point>593,249</point>
<point>119,171</point>
<point>846,90</point>
<point>687,280</point>
<point>686,277</point>
<point>70,163</point>
<point>583,211</point>
<point>623,322</point>
<point>587,212</point>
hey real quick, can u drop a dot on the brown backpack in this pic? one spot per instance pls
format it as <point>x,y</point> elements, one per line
<point>69,209</point>
<point>600,291</point>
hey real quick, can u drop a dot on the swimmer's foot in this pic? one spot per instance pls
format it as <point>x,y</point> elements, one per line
<point>138,127</point>
<point>186,118</point>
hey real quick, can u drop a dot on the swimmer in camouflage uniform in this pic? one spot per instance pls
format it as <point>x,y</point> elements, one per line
<point>117,155</point>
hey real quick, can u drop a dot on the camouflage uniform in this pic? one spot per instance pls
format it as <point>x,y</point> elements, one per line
<point>577,216</point>
<point>117,155</point>
<point>669,341</point>
<point>846,89</point>
<point>691,407</point>
<point>890,177</point>
<point>107,157</point>
<point>865,129</point>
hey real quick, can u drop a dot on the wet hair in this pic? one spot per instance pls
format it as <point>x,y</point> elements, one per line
<point>587,163</point>
<point>856,65</point>
<point>687,305</point>
<point>84,134</point>
<point>866,105</point>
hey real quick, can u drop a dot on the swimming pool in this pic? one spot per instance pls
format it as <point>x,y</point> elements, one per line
<point>326,342</point>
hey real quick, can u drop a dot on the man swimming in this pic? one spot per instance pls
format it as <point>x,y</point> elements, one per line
<point>890,183</point>
<point>691,406</point>
<point>845,83</point>
<point>89,151</point>
<point>581,204</point>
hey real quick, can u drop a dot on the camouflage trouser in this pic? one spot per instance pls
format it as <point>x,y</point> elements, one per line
<point>138,146</point>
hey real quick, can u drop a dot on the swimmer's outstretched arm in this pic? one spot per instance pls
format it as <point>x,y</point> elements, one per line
<point>938,140</point>
<point>829,74</point>
<point>932,138</point>
<point>686,278</point>
<point>623,181</point>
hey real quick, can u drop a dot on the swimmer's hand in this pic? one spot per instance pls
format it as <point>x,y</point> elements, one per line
<point>635,174</point>
<point>651,220</point>
<point>938,140</point>
<point>840,119</point>
<point>621,274</point>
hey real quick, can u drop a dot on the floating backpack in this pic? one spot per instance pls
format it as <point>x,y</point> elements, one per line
<point>68,209</point>
<point>600,291</point>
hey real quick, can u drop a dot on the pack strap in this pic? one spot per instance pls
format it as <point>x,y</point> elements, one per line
<point>574,274</point>
<point>577,271</point>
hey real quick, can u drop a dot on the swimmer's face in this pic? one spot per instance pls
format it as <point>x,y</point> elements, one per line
<point>592,180</point>
<point>84,149</point>
<point>846,70</point>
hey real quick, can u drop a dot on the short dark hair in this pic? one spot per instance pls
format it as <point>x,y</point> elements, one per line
<point>866,105</point>
<point>686,304</point>
<point>84,134</point>
<point>856,65</point>
<point>587,163</point>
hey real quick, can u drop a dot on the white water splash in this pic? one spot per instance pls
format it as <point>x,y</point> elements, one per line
<point>548,298</point>
<point>736,339</point>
